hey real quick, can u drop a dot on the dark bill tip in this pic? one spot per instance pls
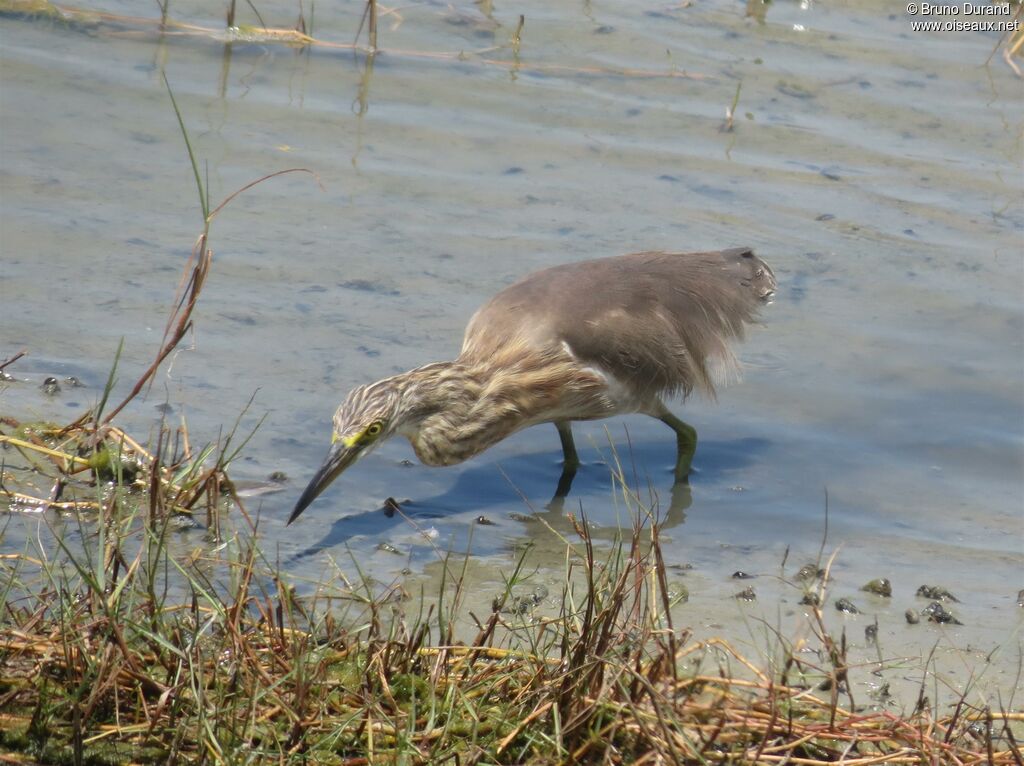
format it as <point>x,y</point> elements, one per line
<point>307,498</point>
<point>337,460</point>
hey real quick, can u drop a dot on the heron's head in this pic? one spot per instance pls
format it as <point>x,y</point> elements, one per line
<point>369,415</point>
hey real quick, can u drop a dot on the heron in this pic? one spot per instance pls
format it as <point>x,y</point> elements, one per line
<point>579,341</point>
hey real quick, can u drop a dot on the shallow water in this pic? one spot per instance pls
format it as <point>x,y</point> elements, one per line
<point>875,168</point>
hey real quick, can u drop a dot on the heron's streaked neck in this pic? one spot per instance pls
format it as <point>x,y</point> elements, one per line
<point>436,406</point>
<point>454,410</point>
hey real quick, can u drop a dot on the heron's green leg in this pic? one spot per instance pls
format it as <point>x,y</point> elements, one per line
<point>686,440</point>
<point>569,464</point>
<point>572,460</point>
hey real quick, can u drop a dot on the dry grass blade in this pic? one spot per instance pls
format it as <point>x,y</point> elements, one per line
<point>11,360</point>
<point>197,268</point>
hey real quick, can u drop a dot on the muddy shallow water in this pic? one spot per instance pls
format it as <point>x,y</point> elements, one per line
<point>875,168</point>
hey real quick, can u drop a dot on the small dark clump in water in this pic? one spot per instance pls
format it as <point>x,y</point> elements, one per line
<point>50,386</point>
<point>809,572</point>
<point>183,522</point>
<point>1020,598</point>
<point>111,466</point>
<point>912,617</point>
<point>871,633</point>
<point>882,693</point>
<point>741,575</point>
<point>74,382</point>
<point>747,594</point>
<point>936,612</point>
<point>936,593</point>
<point>811,599</point>
<point>484,521</point>
<point>826,685</point>
<point>879,586</point>
<point>978,731</point>
<point>521,606</point>
<point>845,605</point>
<point>525,603</point>
<point>278,477</point>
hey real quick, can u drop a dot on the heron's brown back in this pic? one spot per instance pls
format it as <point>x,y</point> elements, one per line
<point>659,322</point>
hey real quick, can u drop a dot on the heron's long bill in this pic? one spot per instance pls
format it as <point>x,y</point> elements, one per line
<point>338,459</point>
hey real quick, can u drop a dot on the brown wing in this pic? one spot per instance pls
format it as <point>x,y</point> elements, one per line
<point>660,322</point>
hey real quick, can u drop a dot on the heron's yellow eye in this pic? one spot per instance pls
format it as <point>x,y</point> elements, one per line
<point>375,428</point>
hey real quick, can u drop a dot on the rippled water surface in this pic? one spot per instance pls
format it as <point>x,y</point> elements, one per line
<point>875,168</point>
